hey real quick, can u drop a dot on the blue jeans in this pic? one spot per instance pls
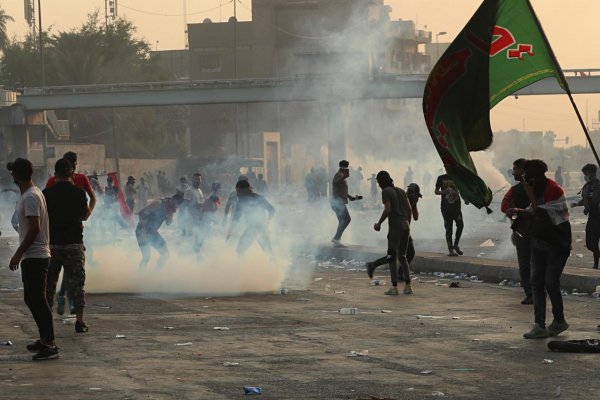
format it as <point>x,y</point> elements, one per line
<point>547,264</point>
<point>341,212</point>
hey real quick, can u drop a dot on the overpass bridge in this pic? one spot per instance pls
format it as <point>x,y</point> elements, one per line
<point>314,88</point>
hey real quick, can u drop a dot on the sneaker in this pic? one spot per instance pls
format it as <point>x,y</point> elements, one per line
<point>338,244</point>
<point>81,327</point>
<point>35,346</point>
<point>537,332</point>
<point>72,311</point>
<point>370,269</point>
<point>46,353</point>
<point>407,288</point>
<point>393,291</point>
<point>458,250</point>
<point>60,305</point>
<point>595,267</point>
<point>555,328</point>
<point>527,300</point>
<point>451,253</point>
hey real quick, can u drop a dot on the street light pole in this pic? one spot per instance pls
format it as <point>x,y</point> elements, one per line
<point>41,43</point>
<point>437,44</point>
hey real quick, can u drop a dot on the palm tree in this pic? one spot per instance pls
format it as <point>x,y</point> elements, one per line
<point>4,18</point>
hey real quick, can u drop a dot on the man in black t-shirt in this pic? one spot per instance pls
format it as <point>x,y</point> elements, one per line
<point>451,212</point>
<point>516,198</point>
<point>398,211</point>
<point>67,209</point>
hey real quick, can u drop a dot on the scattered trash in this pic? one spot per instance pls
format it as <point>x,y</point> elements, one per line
<point>427,372</point>
<point>579,255</point>
<point>184,344</point>
<point>557,391</point>
<point>208,298</point>
<point>252,390</point>
<point>204,306</point>
<point>220,328</point>
<point>438,393</point>
<point>576,346</point>
<point>548,361</point>
<point>230,364</point>
<point>377,282</point>
<point>487,243</point>
<point>502,283</point>
<point>463,369</point>
<point>441,284</point>
<point>104,307</point>
<point>475,279</point>
<point>358,353</point>
<point>16,326</point>
<point>120,336</point>
<point>348,311</point>
<point>386,311</point>
<point>455,285</point>
<point>69,321</point>
<point>475,340</point>
<point>419,316</point>
<point>284,291</point>
<point>339,292</point>
<point>6,343</point>
<point>168,327</point>
<point>318,279</point>
<point>455,317</point>
<point>302,299</point>
<point>95,389</point>
<point>578,240</point>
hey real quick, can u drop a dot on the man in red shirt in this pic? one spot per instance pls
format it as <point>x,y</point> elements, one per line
<point>83,182</point>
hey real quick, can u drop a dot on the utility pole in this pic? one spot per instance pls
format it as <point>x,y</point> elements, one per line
<point>185,31</point>
<point>237,124</point>
<point>41,43</point>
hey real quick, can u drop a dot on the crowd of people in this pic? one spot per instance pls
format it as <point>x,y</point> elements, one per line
<point>50,226</point>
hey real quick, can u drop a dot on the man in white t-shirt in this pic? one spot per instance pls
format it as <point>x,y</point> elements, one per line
<point>193,199</point>
<point>33,254</point>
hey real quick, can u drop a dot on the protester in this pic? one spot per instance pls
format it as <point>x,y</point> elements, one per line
<point>550,246</point>
<point>150,219</point>
<point>67,209</point>
<point>408,176</point>
<point>373,181</point>
<point>83,182</point>
<point>590,200</point>
<point>33,254</point>
<point>144,193</point>
<point>516,198</point>
<point>339,200</point>
<point>193,198</point>
<point>397,210</point>
<point>257,213</point>
<point>413,192</point>
<point>261,186</point>
<point>232,200</point>
<point>130,193</point>
<point>451,212</point>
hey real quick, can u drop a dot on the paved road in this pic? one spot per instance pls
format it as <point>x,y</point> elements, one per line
<point>469,338</point>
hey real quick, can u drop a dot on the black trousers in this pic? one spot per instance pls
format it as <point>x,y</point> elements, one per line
<point>34,272</point>
<point>592,237</point>
<point>451,218</point>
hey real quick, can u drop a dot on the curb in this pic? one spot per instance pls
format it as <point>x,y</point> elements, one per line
<point>584,280</point>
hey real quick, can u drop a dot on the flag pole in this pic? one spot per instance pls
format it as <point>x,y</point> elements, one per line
<point>564,82</point>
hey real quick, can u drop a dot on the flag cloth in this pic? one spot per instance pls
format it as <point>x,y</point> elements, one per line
<point>126,213</point>
<point>501,50</point>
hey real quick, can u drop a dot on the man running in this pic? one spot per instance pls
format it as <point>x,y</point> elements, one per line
<point>257,212</point>
<point>397,210</point>
<point>150,219</point>
<point>451,212</point>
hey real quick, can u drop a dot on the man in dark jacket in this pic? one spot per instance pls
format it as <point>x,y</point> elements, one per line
<point>590,200</point>
<point>339,199</point>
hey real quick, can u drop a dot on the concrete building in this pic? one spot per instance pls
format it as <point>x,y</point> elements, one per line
<point>353,40</point>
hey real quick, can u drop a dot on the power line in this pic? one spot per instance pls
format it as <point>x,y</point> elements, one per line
<point>170,15</point>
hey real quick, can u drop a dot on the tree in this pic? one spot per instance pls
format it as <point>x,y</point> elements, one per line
<point>4,18</point>
<point>97,54</point>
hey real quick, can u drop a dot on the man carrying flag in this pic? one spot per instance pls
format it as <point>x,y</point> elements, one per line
<point>501,50</point>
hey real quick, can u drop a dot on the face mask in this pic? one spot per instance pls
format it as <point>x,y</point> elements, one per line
<point>586,178</point>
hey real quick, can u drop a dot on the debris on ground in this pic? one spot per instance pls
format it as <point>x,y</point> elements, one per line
<point>252,390</point>
<point>357,353</point>
<point>487,243</point>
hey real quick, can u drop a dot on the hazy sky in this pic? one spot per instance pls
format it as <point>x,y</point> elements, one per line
<point>571,26</point>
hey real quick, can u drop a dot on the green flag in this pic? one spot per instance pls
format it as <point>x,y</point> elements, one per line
<point>501,50</point>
